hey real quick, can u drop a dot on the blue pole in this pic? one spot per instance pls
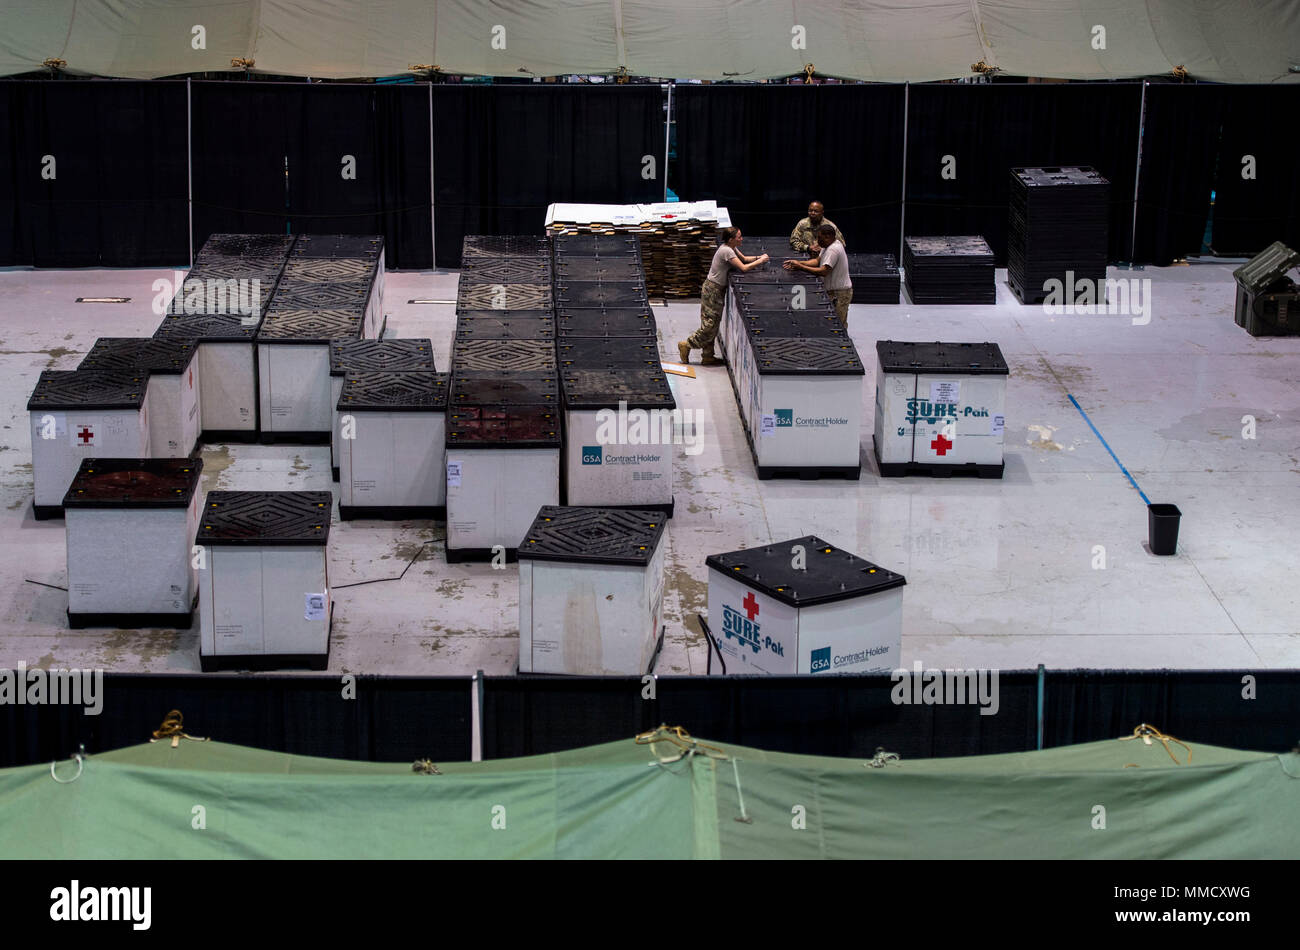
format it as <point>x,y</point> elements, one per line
<point>1108,448</point>
<point>1041,673</point>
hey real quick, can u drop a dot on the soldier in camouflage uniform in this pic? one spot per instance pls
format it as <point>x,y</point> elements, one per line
<point>804,236</point>
<point>713,295</point>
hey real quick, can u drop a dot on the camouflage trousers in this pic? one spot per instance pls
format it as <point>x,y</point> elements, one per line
<point>712,297</point>
<point>840,300</point>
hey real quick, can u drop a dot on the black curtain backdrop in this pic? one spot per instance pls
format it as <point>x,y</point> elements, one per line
<point>391,719</point>
<point>990,129</point>
<point>1250,214</point>
<point>765,152</point>
<point>1180,150</point>
<point>403,718</point>
<point>503,153</point>
<point>119,191</point>
<point>269,158</point>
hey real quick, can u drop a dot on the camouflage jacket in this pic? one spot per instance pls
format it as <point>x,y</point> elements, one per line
<point>802,237</point>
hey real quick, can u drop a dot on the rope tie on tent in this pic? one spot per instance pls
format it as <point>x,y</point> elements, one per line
<point>808,73</point>
<point>881,758</point>
<point>425,767</point>
<point>79,757</point>
<point>1146,733</point>
<point>681,739</point>
<point>172,728</point>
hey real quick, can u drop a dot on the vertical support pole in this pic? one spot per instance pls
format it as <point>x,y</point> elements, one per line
<point>1041,677</point>
<point>668,133</point>
<point>476,717</point>
<point>433,230</point>
<point>902,198</point>
<point>189,166</point>
<point>1137,174</point>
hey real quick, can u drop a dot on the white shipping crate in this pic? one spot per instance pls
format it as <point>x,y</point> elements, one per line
<point>264,598</point>
<point>503,465</point>
<point>80,414</point>
<point>293,366</point>
<point>618,427</point>
<point>804,606</point>
<point>227,372</point>
<point>591,586</point>
<point>130,527</point>
<point>940,407</point>
<point>173,393</point>
<point>394,451</point>
<point>371,356</point>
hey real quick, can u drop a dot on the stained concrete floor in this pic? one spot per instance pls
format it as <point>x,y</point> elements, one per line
<point>1000,573</point>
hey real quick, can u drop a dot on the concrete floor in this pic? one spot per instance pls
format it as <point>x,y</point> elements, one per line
<point>999,573</point>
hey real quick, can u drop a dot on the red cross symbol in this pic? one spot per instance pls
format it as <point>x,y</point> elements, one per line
<point>940,445</point>
<point>86,435</point>
<point>750,605</point>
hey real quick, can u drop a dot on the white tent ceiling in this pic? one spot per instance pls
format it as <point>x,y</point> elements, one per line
<point>882,40</point>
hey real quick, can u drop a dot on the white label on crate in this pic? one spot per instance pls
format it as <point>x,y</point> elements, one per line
<point>899,385</point>
<point>999,422</point>
<point>767,426</point>
<point>243,412</point>
<point>84,434</point>
<point>363,486</point>
<point>230,631</point>
<point>945,390</point>
<point>453,474</point>
<point>279,412</point>
<point>85,589</point>
<point>313,607</point>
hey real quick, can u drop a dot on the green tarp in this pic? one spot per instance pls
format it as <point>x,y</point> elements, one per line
<point>1112,799</point>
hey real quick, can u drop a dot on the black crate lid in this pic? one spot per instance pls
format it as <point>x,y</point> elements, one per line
<point>506,270</point>
<point>338,245</point>
<point>168,356</point>
<point>638,312</point>
<point>265,518</point>
<point>208,328</point>
<point>505,327</point>
<point>246,245</point>
<point>88,389</point>
<point>217,301</point>
<point>312,295</point>
<point>605,295</point>
<point>967,359</point>
<point>380,355</point>
<point>793,323</point>
<point>1266,267</point>
<point>606,388</point>
<point>772,273</point>
<point>309,326</point>
<point>505,389</point>
<point>513,245</point>
<point>396,391</point>
<point>521,427</point>
<point>831,574</point>
<point>596,245</point>
<point>595,535</point>
<point>607,352</point>
<point>1055,176</point>
<point>572,267</point>
<point>329,270</point>
<point>517,296</point>
<point>502,356</point>
<point>882,265</point>
<point>962,247</point>
<point>806,356</point>
<point>265,270</point>
<point>134,483</point>
<point>537,313</point>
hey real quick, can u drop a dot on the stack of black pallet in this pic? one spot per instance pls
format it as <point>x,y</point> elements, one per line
<point>504,384</point>
<point>1057,230</point>
<point>951,269</point>
<point>875,278</point>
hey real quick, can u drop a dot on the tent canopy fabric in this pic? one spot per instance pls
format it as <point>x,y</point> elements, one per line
<point>666,799</point>
<point>879,40</point>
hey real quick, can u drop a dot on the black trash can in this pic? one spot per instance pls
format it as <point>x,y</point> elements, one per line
<point>1162,528</point>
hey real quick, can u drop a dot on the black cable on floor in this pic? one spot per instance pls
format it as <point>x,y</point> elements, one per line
<point>382,580</point>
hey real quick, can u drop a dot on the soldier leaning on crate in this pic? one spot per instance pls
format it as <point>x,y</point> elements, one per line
<point>713,293</point>
<point>832,266</point>
<point>804,236</point>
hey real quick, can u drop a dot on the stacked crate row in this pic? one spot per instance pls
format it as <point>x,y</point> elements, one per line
<point>503,429</point>
<point>953,269</point>
<point>618,403</point>
<point>795,371</point>
<point>1057,230</point>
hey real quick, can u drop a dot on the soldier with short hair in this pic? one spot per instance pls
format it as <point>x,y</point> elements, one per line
<point>832,266</point>
<point>713,295</point>
<point>804,236</point>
